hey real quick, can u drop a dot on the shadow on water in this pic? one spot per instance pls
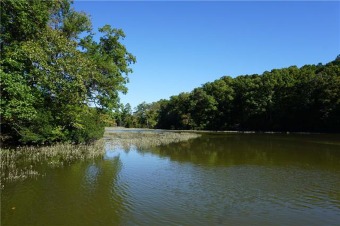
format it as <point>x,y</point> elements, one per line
<point>311,151</point>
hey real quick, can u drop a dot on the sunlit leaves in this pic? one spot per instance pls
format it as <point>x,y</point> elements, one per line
<point>288,99</point>
<point>52,69</point>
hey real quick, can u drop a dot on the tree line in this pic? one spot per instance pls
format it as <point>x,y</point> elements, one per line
<point>58,82</point>
<point>305,99</point>
<point>61,84</point>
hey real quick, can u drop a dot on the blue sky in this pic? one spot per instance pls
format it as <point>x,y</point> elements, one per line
<point>181,45</point>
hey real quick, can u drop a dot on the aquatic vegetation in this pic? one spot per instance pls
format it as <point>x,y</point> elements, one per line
<point>28,161</point>
<point>145,138</point>
<point>23,162</point>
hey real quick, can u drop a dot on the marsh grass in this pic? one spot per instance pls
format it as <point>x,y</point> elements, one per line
<point>146,139</point>
<point>24,162</point>
<point>29,162</point>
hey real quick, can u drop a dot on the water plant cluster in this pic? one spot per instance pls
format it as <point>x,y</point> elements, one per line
<point>146,139</point>
<point>27,161</point>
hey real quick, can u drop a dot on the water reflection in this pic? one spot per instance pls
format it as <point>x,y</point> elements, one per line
<point>253,149</point>
<point>85,193</point>
<point>240,179</point>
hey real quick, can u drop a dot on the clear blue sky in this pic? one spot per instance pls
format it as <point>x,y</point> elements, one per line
<point>181,45</point>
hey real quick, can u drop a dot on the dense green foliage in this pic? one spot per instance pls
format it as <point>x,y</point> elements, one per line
<point>288,99</point>
<point>52,70</point>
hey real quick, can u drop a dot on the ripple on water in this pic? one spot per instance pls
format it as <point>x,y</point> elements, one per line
<point>170,192</point>
<point>134,187</point>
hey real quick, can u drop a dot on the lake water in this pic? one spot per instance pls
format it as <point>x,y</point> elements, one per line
<point>217,179</point>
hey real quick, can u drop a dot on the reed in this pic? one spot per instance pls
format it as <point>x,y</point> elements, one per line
<point>23,162</point>
<point>29,161</point>
<point>146,139</point>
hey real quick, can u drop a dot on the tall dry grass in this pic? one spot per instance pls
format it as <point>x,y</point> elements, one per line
<point>27,162</point>
<point>146,139</point>
<point>23,162</point>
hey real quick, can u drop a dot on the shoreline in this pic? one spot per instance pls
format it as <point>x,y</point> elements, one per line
<point>123,129</point>
<point>25,161</point>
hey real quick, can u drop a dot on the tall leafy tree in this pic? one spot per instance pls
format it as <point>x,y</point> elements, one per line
<point>223,93</point>
<point>203,108</point>
<point>146,114</point>
<point>52,69</point>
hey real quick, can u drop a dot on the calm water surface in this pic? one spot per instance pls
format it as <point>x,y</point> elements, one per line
<point>245,179</point>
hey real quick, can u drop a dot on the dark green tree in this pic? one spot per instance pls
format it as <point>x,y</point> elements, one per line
<point>50,75</point>
<point>203,108</point>
<point>288,99</point>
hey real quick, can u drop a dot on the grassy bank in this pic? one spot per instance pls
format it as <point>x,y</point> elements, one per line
<point>24,162</point>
